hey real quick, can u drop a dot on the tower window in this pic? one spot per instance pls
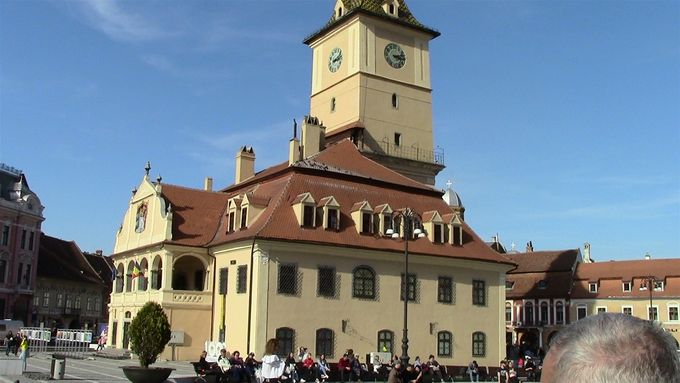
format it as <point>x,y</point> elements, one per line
<point>395,101</point>
<point>397,139</point>
<point>333,104</point>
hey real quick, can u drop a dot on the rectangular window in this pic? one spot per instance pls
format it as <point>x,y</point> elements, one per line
<point>241,279</point>
<point>457,236</point>
<point>627,286</point>
<point>366,223</point>
<point>97,304</point>
<point>308,216</point>
<point>244,217</point>
<point>232,222</point>
<point>653,313</point>
<point>31,240</point>
<point>628,310</point>
<point>673,313</point>
<point>332,222</point>
<point>581,312</point>
<point>559,313</point>
<point>46,299</point>
<point>69,302</point>
<point>23,239</point>
<point>479,293</point>
<point>21,272</point>
<point>445,290</point>
<point>27,276</point>
<point>89,304</point>
<point>410,288</point>
<point>601,310</point>
<point>114,333</point>
<point>387,221</point>
<point>326,282</point>
<point>36,303</point>
<point>3,270</point>
<point>5,235</point>
<point>77,302</point>
<point>224,278</point>
<point>592,287</point>
<point>658,285</point>
<point>397,139</point>
<point>438,238</point>
<point>287,279</point>
<point>60,300</point>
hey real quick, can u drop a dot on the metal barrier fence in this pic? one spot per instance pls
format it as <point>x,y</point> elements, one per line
<point>73,343</point>
<point>38,338</point>
<point>68,343</point>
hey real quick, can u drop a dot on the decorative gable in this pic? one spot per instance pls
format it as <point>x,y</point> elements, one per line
<point>455,229</point>
<point>148,218</point>
<point>233,213</point>
<point>391,7</point>
<point>251,208</point>
<point>383,218</point>
<point>434,226</point>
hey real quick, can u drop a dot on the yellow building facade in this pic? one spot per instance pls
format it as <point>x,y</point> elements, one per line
<point>300,251</point>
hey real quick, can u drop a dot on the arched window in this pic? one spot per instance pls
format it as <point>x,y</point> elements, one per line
<point>559,312</point>
<point>157,273</point>
<point>508,312</point>
<point>444,340</point>
<point>324,342</point>
<point>143,278</point>
<point>478,344</point>
<point>395,100</point>
<point>544,313</point>
<point>128,276</point>
<point>120,272</point>
<point>385,341</point>
<point>286,337</point>
<point>363,283</point>
<point>528,313</point>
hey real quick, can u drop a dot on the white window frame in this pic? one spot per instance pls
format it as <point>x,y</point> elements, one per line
<point>540,317</point>
<point>512,311</point>
<point>597,309</point>
<point>592,287</point>
<point>524,311</point>
<point>630,286</point>
<point>657,312</point>
<point>661,286</point>
<point>627,307</point>
<point>584,307</point>
<point>555,311</point>
<point>668,312</point>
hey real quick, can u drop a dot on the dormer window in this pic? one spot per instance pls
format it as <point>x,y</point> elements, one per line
<point>232,221</point>
<point>434,226</point>
<point>456,229</point>
<point>658,285</point>
<point>339,12</point>
<point>362,214</point>
<point>244,217</point>
<point>304,207</point>
<point>233,213</point>
<point>331,213</point>
<point>627,286</point>
<point>383,218</point>
<point>366,219</point>
<point>509,285</point>
<point>391,7</point>
<point>592,287</point>
<point>308,215</point>
<point>438,233</point>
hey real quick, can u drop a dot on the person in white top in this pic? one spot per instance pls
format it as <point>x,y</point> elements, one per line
<point>272,365</point>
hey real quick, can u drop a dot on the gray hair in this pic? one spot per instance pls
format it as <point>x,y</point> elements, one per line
<point>612,347</point>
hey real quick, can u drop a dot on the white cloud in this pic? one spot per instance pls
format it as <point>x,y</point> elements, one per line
<point>109,17</point>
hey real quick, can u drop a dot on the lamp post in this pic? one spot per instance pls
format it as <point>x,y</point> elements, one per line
<point>649,281</point>
<point>408,218</point>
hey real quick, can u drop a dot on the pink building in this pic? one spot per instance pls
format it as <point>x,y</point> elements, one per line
<point>21,215</point>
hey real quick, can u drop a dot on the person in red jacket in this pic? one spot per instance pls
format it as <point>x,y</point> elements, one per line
<point>310,370</point>
<point>343,367</point>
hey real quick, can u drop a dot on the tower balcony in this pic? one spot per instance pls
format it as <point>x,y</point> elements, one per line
<point>384,148</point>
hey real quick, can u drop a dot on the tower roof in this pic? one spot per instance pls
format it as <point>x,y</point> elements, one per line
<point>451,197</point>
<point>373,8</point>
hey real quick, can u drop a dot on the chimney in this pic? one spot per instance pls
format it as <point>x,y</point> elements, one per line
<point>586,253</point>
<point>208,184</point>
<point>294,146</point>
<point>530,247</point>
<point>245,164</point>
<point>313,136</point>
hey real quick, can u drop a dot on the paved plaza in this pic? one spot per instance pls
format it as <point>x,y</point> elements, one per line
<point>95,370</point>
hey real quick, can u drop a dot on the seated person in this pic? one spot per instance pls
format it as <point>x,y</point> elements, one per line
<point>237,372</point>
<point>309,368</point>
<point>223,361</point>
<point>206,367</point>
<point>324,368</point>
<point>251,365</point>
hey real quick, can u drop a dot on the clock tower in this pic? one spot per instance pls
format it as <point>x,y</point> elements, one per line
<point>371,82</point>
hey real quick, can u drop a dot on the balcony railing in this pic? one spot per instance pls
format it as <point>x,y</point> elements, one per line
<point>411,153</point>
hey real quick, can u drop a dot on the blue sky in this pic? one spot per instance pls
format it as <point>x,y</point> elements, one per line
<point>560,120</point>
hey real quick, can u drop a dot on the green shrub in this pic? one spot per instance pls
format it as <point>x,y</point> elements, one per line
<point>149,333</point>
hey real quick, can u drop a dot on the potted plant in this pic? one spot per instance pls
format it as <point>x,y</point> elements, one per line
<point>149,333</point>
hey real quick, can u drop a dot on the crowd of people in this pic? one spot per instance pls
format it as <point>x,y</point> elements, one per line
<point>302,367</point>
<point>17,344</point>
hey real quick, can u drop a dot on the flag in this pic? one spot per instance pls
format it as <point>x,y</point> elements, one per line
<point>136,270</point>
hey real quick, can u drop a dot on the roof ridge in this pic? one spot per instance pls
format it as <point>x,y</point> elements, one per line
<point>190,188</point>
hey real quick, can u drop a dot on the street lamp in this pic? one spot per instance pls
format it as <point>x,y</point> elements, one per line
<point>649,281</point>
<point>409,219</point>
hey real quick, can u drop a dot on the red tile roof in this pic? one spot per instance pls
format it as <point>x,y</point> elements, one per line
<point>526,285</point>
<point>59,259</point>
<point>544,261</point>
<point>611,275</point>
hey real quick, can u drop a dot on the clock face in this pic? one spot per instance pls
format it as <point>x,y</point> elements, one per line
<point>335,59</point>
<point>395,56</point>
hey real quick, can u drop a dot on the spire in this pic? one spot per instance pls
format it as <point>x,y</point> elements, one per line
<point>147,168</point>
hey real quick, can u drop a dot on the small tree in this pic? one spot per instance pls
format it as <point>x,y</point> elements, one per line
<point>149,333</point>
